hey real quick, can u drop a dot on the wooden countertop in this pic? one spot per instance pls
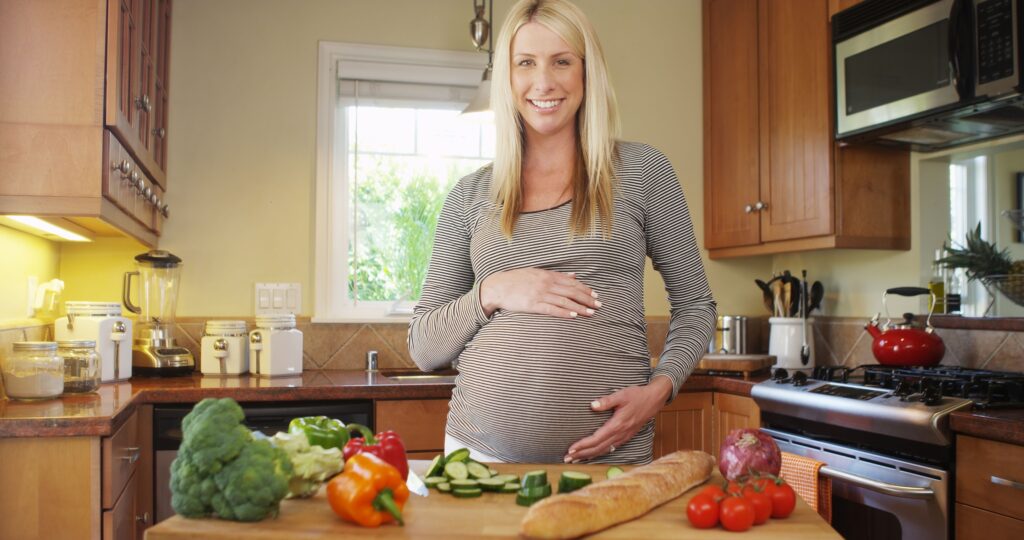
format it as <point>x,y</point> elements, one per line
<point>102,412</point>
<point>491,516</point>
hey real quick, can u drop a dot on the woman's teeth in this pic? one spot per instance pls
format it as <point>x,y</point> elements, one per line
<point>545,104</point>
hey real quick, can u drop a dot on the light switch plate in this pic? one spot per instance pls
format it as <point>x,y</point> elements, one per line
<point>278,298</point>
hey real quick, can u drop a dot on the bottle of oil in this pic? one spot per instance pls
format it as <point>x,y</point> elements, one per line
<point>937,285</point>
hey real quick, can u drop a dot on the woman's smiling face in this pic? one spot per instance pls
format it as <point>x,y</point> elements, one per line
<point>547,80</point>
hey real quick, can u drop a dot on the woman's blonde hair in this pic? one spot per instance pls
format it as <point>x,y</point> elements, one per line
<point>597,121</point>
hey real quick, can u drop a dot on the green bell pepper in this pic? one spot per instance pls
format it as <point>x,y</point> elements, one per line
<point>320,431</point>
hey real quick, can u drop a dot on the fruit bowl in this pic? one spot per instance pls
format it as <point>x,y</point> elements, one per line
<point>1011,285</point>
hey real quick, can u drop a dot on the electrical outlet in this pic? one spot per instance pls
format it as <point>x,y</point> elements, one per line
<point>278,298</point>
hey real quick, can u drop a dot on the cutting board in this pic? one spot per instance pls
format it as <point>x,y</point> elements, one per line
<point>747,364</point>
<point>491,516</point>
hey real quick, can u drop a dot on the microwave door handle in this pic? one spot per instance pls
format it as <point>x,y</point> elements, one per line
<point>954,44</point>
<point>906,492</point>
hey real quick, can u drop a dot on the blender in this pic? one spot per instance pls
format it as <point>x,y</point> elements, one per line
<point>154,351</point>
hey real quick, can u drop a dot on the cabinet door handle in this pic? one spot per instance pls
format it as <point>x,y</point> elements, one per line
<point>748,208</point>
<point>165,210</point>
<point>760,205</point>
<point>124,167</point>
<point>133,454</point>
<point>144,518</point>
<point>160,133</point>
<point>135,179</point>
<point>143,103</point>
<point>1008,483</point>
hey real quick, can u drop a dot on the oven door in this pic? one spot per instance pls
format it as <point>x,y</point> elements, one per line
<point>877,496</point>
<point>901,69</point>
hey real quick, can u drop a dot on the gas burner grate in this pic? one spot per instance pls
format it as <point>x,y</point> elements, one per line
<point>986,388</point>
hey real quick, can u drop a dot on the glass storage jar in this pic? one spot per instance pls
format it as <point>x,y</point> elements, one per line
<point>81,365</point>
<point>33,371</point>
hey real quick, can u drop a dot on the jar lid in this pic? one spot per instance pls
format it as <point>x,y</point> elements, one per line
<point>225,326</point>
<point>93,308</point>
<point>275,321</point>
<point>35,345</point>
<point>158,258</point>
<point>77,344</point>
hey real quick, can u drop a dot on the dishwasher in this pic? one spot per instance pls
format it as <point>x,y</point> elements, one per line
<point>269,418</point>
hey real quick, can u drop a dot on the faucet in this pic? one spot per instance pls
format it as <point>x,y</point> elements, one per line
<point>371,361</point>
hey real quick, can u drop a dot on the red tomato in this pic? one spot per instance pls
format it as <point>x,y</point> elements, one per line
<point>737,514</point>
<point>714,490</point>
<point>762,503</point>
<point>734,488</point>
<point>783,500</point>
<point>702,511</point>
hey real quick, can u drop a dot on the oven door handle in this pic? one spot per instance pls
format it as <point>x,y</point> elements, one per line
<point>895,490</point>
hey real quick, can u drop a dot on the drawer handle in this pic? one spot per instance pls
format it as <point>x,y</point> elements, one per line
<point>1008,483</point>
<point>165,210</point>
<point>144,518</point>
<point>143,103</point>
<point>133,454</point>
<point>160,133</point>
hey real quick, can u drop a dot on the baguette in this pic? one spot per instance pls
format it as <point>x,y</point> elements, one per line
<point>610,502</point>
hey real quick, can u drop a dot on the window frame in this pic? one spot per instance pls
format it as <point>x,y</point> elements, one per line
<point>365,62</point>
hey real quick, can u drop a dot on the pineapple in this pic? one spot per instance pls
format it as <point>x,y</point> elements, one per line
<point>983,261</point>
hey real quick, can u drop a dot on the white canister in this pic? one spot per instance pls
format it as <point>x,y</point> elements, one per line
<point>225,348</point>
<point>785,340</point>
<point>276,346</point>
<point>100,322</point>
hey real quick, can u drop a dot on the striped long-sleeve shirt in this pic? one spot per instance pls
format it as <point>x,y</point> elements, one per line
<point>525,381</point>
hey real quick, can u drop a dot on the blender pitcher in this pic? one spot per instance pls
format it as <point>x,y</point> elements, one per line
<point>154,351</point>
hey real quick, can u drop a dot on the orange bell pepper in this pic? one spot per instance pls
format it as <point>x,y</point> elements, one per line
<point>368,492</point>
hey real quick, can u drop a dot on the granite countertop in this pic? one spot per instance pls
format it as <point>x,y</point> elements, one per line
<point>1005,425</point>
<point>102,412</point>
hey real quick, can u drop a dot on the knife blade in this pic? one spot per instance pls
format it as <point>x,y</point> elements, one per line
<point>416,485</point>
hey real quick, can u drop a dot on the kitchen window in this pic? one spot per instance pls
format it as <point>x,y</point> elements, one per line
<point>390,145</point>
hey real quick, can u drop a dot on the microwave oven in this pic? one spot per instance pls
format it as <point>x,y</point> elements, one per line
<point>928,74</point>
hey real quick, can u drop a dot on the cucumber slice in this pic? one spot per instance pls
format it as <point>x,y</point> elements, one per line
<point>571,481</point>
<point>493,484</point>
<point>477,470</point>
<point>535,478</point>
<point>494,472</point>
<point>510,487</point>
<point>507,478</point>
<point>466,493</point>
<point>433,481</point>
<point>436,467</point>
<point>456,470</point>
<point>528,495</point>
<point>460,484</point>
<point>614,471</point>
<point>444,487</point>
<point>462,454</point>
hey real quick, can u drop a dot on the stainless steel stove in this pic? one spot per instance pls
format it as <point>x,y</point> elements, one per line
<point>884,434</point>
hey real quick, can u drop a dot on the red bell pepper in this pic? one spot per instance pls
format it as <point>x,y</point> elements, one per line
<point>385,445</point>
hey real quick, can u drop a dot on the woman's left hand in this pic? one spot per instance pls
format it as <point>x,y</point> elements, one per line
<point>633,406</point>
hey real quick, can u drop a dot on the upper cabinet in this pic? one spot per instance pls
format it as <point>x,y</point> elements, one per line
<point>774,179</point>
<point>83,119</point>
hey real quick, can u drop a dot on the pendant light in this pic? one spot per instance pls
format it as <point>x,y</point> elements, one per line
<point>480,31</point>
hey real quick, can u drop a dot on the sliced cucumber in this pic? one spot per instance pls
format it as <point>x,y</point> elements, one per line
<point>456,470</point>
<point>444,487</point>
<point>466,493</point>
<point>614,471</point>
<point>493,484</point>
<point>528,495</point>
<point>507,478</point>
<point>494,472</point>
<point>462,454</point>
<point>460,484</point>
<point>535,478</point>
<point>571,481</point>
<point>436,467</point>
<point>433,481</point>
<point>510,487</point>
<point>477,470</point>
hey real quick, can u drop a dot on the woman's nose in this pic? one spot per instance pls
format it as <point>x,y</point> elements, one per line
<point>543,80</point>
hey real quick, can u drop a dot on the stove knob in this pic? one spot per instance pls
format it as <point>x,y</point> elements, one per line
<point>931,396</point>
<point>903,389</point>
<point>799,379</point>
<point>821,373</point>
<point>780,375</point>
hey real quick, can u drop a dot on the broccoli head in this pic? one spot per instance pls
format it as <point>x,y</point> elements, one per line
<point>251,487</point>
<point>191,491</point>
<point>213,434</point>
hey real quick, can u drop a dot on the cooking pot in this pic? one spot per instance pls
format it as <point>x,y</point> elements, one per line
<point>906,343</point>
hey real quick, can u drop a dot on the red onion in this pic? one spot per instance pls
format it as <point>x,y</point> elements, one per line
<point>748,450</point>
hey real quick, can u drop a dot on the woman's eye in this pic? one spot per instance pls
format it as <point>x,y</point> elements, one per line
<point>526,62</point>
<point>563,62</point>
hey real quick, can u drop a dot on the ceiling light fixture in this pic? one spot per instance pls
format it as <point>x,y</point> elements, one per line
<point>480,31</point>
<point>49,228</point>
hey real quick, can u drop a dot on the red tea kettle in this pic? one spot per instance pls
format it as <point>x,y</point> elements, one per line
<point>905,344</point>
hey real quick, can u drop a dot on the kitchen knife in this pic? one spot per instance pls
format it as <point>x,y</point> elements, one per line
<point>416,485</point>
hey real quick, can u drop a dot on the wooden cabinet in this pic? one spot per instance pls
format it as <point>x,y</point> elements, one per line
<point>419,421</point>
<point>774,179</point>
<point>989,489</point>
<point>699,421</point>
<point>84,116</point>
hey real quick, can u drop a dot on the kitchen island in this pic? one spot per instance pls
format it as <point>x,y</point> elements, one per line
<point>491,516</point>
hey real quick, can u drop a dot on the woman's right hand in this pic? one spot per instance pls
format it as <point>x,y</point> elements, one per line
<point>533,290</point>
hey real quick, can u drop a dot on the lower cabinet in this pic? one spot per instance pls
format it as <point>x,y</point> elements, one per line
<point>78,487</point>
<point>989,489</point>
<point>419,422</point>
<point>699,421</point>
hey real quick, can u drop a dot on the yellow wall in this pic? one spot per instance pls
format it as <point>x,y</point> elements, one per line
<point>23,255</point>
<point>93,272</point>
<point>242,131</point>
